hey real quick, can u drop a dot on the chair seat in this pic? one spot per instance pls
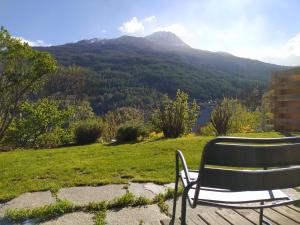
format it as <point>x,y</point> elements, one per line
<point>232,197</point>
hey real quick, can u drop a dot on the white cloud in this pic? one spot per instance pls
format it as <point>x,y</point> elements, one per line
<point>33,43</point>
<point>240,35</point>
<point>292,47</point>
<point>286,54</point>
<point>103,31</point>
<point>132,26</point>
<point>176,28</point>
<point>150,19</point>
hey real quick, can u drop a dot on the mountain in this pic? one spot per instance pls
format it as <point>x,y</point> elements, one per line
<point>163,39</point>
<point>139,70</point>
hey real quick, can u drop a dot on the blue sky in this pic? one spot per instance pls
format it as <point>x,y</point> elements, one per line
<point>267,30</point>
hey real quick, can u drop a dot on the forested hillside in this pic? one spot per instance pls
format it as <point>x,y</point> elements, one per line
<point>137,71</point>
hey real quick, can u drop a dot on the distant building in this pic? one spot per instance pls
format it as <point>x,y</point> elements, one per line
<point>286,85</point>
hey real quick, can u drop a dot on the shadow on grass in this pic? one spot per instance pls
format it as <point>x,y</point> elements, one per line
<point>120,143</point>
<point>157,139</point>
<point>289,134</point>
<point>135,142</point>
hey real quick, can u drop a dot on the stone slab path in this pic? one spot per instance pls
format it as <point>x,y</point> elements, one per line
<point>85,195</point>
<point>28,200</point>
<point>148,190</point>
<point>147,215</point>
<point>76,218</point>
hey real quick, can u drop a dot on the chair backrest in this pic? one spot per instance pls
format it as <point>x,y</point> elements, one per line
<point>239,164</point>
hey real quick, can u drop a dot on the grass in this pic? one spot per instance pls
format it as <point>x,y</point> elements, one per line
<point>100,218</point>
<point>46,212</point>
<point>129,199</point>
<point>33,170</point>
<point>161,199</point>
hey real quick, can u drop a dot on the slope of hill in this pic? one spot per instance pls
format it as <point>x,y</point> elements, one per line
<point>137,70</point>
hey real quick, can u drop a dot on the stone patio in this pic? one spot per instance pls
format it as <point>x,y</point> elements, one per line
<point>147,215</point>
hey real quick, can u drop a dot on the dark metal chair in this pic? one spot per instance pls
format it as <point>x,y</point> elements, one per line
<point>241,173</point>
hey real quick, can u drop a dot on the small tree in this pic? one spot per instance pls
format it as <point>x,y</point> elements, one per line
<point>37,120</point>
<point>21,71</point>
<point>221,117</point>
<point>175,118</point>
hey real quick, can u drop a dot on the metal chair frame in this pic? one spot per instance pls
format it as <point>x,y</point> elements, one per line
<point>200,182</point>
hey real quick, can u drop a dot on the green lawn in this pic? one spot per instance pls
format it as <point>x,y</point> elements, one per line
<point>32,170</point>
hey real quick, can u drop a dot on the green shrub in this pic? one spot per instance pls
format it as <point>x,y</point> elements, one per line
<point>131,133</point>
<point>88,132</point>
<point>40,124</point>
<point>231,116</point>
<point>120,117</point>
<point>221,117</point>
<point>176,118</point>
<point>51,139</point>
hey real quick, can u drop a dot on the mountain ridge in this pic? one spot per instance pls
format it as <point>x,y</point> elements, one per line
<point>137,70</point>
<point>163,36</point>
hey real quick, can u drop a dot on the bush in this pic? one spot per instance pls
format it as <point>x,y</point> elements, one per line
<point>230,116</point>
<point>221,117</point>
<point>131,133</point>
<point>51,139</point>
<point>120,117</point>
<point>40,124</point>
<point>88,132</point>
<point>176,118</point>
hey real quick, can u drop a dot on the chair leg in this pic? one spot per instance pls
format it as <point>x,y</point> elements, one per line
<point>261,216</point>
<point>183,207</point>
<point>262,221</point>
<point>175,200</point>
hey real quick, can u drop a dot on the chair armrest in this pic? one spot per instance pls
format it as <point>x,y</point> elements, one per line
<point>180,156</point>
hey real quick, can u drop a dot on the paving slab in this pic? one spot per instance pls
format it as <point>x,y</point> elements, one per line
<point>77,218</point>
<point>87,194</point>
<point>148,190</point>
<point>148,215</point>
<point>155,188</point>
<point>170,185</point>
<point>139,189</point>
<point>28,200</point>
